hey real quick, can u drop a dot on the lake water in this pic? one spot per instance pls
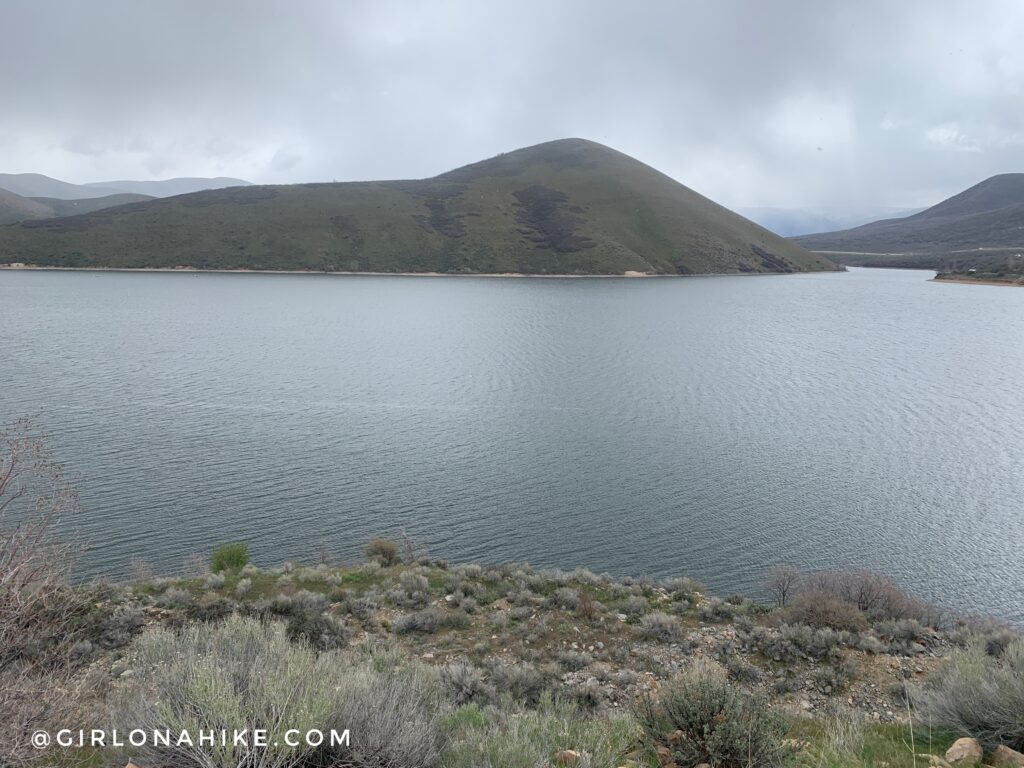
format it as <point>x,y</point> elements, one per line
<point>704,426</point>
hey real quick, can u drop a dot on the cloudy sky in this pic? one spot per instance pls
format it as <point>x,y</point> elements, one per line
<point>806,104</point>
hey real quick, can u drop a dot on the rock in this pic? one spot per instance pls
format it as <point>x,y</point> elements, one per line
<point>1004,757</point>
<point>567,757</point>
<point>965,751</point>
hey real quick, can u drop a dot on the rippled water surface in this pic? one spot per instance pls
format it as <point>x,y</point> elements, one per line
<point>704,426</point>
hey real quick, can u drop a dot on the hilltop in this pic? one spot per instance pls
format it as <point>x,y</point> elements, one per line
<point>564,207</point>
<point>981,227</point>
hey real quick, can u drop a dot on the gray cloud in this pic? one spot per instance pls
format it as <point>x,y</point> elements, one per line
<point>788,103</point>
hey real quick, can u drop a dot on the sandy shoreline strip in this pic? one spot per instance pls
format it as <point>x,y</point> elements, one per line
<point>18,267</point>
<point>1016,283</point>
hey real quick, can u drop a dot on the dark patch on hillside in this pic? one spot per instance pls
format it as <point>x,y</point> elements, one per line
<point>65,224</point>
<point>436,197</point>
<point>770,261</point>
<point>229,195</point>
<point>544,219</point>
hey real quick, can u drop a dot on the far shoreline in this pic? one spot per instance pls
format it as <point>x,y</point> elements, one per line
<point>629,274</point>
<point>1015,283</point>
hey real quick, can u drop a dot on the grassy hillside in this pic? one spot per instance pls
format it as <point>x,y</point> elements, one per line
<point>74,207</point>
<point>15,208</point>
<point>981,225</point>
<point>564,207</point>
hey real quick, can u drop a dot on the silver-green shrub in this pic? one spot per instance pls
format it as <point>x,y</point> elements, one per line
<point>702,718</point>
<point>244,673</point>
<point>979,694</point>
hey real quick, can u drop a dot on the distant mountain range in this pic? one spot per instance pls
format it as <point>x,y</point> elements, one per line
<point>37,185</point>
<point>980,229</point>
<point>563,207</point>
<point>790,222</point>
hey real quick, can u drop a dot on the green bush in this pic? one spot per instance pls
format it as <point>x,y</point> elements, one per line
<point>383,551</point>
<point>701,718</point>
<point>229,557</point>
<point>979,694</point>
<point>245,671</point>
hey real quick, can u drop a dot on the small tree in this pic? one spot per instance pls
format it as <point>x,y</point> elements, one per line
<point>38,610</point>
<point>782,582</point>
<point>229,557</point>
<point>384,551</point>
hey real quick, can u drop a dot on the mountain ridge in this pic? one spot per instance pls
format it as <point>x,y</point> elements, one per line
<point>569,206</point>
<point>39,185</point>
<point>981,224</point>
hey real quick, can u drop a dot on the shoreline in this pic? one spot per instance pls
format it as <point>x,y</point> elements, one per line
<point>629,274</point>
<point>1015,283</point>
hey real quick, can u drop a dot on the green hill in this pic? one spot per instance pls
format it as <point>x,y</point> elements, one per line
<point>564,207</point>
<point>980,227</point>
<point>15,208</point>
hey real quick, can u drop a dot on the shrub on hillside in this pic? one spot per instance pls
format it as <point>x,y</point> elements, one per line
<point>660,626</point>
<point>324,633</point>
<point>702,718</point>
<point>229,557</point>
<point>425,622</point>
<point>504,737</point>
<point>383,551</point>
<point>877,596</point>
<point>979,694</point>
<point>566,598</point>
<point>822,610</point>
<point>465,684</point>
<point>247,671</point>
<point>717,609</point>
<point>520,681</point>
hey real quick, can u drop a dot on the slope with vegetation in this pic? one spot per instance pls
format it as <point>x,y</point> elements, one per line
<point>981,228</point>
<point>434,665</point>
<point>564,207</point>
<point>15,208</point>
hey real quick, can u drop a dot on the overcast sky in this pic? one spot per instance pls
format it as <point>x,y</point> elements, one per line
<point>809,104</point>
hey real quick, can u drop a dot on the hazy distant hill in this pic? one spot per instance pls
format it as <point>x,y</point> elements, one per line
<point>564,207</point>
<point>983,223</point>
<point>14,208</point>
<point>790,222</point>
<point>170,187</point>
<point>37,185</point>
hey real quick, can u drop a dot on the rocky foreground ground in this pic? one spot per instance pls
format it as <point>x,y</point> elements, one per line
<point>843,675</point>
